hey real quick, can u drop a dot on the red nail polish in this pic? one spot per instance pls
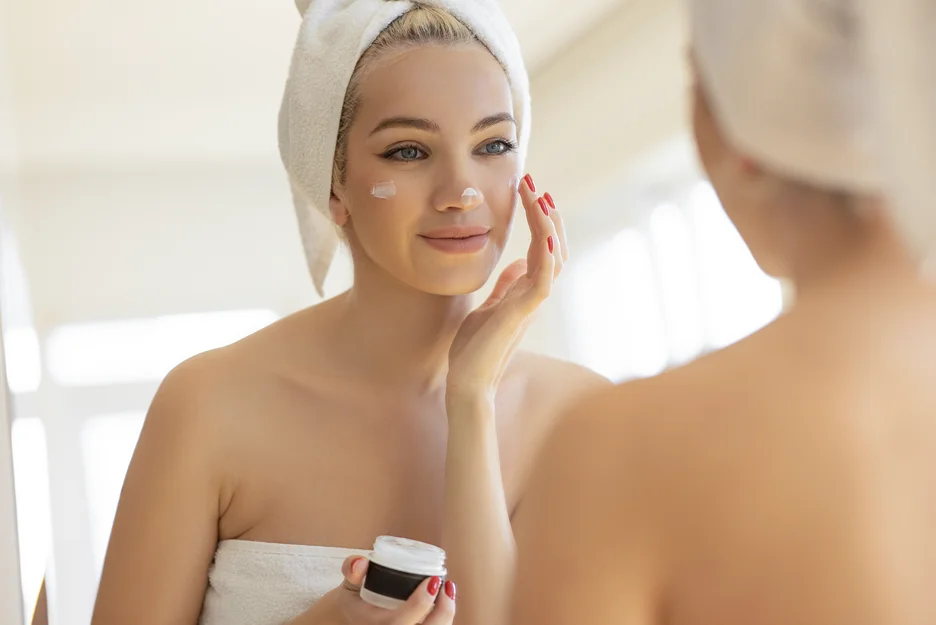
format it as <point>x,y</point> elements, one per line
<point>529,181</point>
<point>550,200</point>
<point>434,584</point>
<point>450,589</point>
<point>550,244</point>
<point>542,204</point>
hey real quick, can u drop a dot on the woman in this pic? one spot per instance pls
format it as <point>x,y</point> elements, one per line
<point>789,478</point>
<point>392,408</point>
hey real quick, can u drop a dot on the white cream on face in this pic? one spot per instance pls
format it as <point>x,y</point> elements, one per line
<point>384,190</point>
<point>515,183</point>
<point>471,196</point>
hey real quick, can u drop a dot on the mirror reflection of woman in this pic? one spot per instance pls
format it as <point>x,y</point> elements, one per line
<point>266,469</point>
<point>788,478</point>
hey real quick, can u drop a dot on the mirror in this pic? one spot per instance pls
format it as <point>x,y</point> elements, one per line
<point>149,219</point>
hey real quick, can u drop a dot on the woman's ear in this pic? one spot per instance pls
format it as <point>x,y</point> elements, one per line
<point>338,208</point>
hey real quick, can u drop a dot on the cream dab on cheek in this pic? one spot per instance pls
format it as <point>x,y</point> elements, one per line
<point>384,190</point>
<point>515,183</point>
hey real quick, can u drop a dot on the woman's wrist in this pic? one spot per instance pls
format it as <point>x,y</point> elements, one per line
<point>464,403</point>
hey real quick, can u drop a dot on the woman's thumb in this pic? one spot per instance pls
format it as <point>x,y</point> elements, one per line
<point>354,569</point>
<point>507,278</point>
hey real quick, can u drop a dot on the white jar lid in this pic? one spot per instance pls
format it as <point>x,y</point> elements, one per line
<point>409,556</point>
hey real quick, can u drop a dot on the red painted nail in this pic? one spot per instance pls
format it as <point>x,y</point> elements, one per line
<point>550,200</point>
<point>550,244</point>
<point>450,589</point>
<point>529,181</point>
<point>542,204</point>
<point>434,584</point>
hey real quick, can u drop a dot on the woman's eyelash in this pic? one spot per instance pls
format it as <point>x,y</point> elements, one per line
<point>511,145</point>
<point>392,154</point>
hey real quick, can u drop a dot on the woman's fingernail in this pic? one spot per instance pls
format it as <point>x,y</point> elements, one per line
<point>550,200</point>
<point>450,589</point>
<point>434,584</point>
<point>529,181</point>
<point>542,204</point>
<point>550,244</point>
<point>356,565</point>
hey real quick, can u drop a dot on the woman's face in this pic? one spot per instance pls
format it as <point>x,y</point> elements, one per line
<point>430,189</point>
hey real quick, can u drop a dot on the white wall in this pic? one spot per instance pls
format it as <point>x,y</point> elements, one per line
<point>603,109</point>
<point>10,593</point>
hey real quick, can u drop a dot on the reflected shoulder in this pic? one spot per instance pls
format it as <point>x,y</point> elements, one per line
<point>563,379</point>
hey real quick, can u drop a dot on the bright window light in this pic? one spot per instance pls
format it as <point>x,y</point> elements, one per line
<point>739,297</point>
<point>617,329</point>
<point>108,443</point>
<point>23,360</point>
<point>33,511</point>
<point>139,350</point>
<point>674,253</point>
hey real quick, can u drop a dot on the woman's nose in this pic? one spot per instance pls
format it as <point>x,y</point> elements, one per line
<point>471,198</point>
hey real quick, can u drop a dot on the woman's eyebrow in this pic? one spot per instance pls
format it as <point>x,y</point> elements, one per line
<point>406,122</point>
<point>493,120</point>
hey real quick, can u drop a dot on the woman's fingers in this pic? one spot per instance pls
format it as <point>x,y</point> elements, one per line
<point>508,277</point>
<point>354,568</point>
<point>419,604</point>
<point>553,239</point>
<point>533,211</point>
<point>548,244</point>
<point>444,611</point>
<point>559,226</point>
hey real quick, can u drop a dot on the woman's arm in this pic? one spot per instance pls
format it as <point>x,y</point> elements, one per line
<point>476,533</point>
<point>165,531</point>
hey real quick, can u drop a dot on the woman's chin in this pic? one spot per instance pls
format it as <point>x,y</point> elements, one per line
<point>452,282</point>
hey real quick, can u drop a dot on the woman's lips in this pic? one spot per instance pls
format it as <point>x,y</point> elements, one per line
<point>458,239</point>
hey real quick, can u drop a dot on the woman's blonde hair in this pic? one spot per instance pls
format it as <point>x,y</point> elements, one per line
<point>423,25</point>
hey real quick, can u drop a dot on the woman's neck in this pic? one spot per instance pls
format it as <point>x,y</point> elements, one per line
<point>825,254</point>
<point>396,334</point>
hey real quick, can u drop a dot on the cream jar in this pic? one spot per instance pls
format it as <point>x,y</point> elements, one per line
<point>397,567</point>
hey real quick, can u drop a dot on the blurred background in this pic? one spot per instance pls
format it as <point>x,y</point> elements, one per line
<point>145,217</point>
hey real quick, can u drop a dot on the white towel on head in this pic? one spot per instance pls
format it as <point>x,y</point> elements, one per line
<point>333,36</point>
<point>836,93</point>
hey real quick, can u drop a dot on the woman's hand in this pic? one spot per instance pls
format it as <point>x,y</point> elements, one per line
<point>344,606</point>
<point>489,335</point>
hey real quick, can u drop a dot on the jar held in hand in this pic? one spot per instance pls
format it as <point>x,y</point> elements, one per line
<point>397,567</point>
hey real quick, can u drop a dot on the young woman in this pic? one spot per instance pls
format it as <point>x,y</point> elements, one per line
<point>392,409</point>
<point>789,478</point>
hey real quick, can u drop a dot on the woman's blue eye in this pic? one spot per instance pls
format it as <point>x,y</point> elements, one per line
<point>406,153</point>
<point>496,148</point>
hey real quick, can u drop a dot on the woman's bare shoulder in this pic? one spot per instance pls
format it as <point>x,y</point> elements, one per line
<point>230,385</point>
<point>560,379</point>
<point>726,410</point>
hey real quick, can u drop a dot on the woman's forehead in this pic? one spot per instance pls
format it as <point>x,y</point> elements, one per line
<point>443,84</point>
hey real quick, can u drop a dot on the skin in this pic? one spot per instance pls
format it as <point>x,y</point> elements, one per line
<point>390,409</point>
<point>41,611</point>
<point>786,479</point>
